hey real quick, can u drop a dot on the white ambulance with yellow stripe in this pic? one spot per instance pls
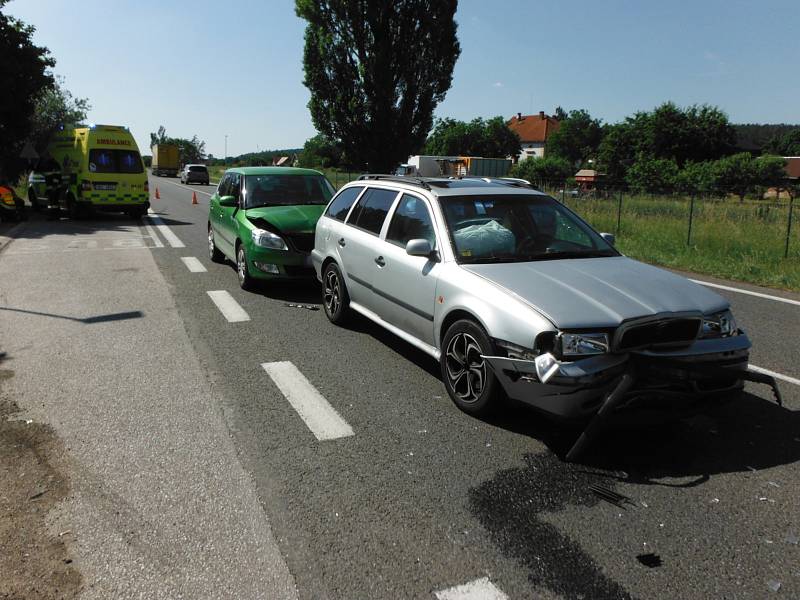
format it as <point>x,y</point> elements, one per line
<point>87,168</point>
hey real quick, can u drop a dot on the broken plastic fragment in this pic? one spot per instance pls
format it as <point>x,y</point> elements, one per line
<point>714,500</point>
<point>774,585</point>
<point>791,538</point>
<point>649,560</point>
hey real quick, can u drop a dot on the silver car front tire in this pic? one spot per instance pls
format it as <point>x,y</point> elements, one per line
<point>469,381</point>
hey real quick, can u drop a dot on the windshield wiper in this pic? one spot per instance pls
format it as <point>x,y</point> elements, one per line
<point>572,254</point>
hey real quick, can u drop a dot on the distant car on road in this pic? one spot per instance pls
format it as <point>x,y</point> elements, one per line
<point>514,293</point>
<point>195,174</point>
<point>263,219</point>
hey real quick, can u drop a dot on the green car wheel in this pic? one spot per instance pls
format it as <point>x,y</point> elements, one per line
<point>246,281</point>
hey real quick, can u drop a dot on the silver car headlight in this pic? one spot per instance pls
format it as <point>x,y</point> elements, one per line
<point>267,239</point>
<point>721,324</point>
<point>583,344</point>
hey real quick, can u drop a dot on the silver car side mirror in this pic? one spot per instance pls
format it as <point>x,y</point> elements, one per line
<point>419,247</point>
<point>609,237</point>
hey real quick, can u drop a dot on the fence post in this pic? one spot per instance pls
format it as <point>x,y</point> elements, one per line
<point>336,179</point>
<point>619,212</point>
<point>562,192</point>
<point>691,215</point>
<point>789,227</point>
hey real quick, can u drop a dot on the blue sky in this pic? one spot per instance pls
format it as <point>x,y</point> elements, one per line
<point>235,67</point>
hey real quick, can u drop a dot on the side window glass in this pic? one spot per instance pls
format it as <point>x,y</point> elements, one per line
<point>372,209</point>
<point>235,186</point>
<point>224,184</point>
<point>341,204</point>
<point>569,233</point>
<point>411,221</point>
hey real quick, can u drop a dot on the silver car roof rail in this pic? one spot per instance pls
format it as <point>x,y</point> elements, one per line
<point>418,181</point>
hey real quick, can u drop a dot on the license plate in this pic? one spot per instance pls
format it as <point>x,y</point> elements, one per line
<point>105,186</point>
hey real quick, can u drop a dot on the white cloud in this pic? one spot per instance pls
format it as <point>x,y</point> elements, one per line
<point>497,84</point>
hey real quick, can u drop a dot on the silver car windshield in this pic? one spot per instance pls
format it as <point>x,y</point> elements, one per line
<point>518,228</point>
<point>287,190</point>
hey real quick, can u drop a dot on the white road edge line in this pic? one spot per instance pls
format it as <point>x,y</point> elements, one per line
<point>172,239</point>
<point>319,416</point>
<point>153,235</point>
<point>748,292</point>
<point>480,589</point>
<point>229,308</point>
<point>780,376</point>
<point>193,264</point>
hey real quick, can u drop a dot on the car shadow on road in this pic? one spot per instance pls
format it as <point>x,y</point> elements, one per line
<point>39,225</point>
<point>746,434</point>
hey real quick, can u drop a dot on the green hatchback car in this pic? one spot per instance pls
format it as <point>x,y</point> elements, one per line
<point>263,219</point>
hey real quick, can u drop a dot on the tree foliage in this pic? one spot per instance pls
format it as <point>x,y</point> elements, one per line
<point>24,73</point>
<point>551,170</point>
<point>785,144</point>
<point>490,138</point>
<point>191,150</point>
<point>55,107</point>
<point>577,138</point>
<point>321,152</point>
<point>652,175</point>
<point>696,133</point>
<point>376,71</point>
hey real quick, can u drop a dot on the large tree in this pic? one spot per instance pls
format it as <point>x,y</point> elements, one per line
<point>55,107</point>
<point>24,74</point>
<point>376,71</point>
<point>577,138</point>
<point>490,138</point>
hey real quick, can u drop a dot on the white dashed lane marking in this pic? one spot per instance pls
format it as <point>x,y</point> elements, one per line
<point>747,292</point>
<point>229,308</point>
<point>193,264</point>
<point>480,589</point>
<point>319,416</point>
<point>165,231</point>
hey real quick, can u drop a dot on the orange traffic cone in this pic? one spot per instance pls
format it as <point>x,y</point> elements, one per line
<point>158,196</point>
<point>194,198</point>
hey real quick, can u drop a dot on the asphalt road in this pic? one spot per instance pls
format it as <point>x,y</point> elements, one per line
<point>422,498</point>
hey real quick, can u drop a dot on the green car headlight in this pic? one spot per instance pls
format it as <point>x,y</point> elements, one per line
<point>583,344</point>
<point>266,239</point>
<point>721,324</point>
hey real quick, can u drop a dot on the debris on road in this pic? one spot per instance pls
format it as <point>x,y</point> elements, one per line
<point>791,538</point>
<point>610,496</point>
<point>650,560</point>
<point>773,585</point>
<point>306,306</point>
<point>38,494</point>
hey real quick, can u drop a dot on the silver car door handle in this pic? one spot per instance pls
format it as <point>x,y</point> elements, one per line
<point>380,262</point>
<point>342,243</point>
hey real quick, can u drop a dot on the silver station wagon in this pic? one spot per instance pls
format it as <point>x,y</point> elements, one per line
<point>515,294</point>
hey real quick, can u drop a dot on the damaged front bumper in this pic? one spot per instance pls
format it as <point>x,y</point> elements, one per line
<point>598,387</point>
<point>679,378</point>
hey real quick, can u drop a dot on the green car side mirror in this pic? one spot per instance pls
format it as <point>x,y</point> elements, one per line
<point>227,201</point>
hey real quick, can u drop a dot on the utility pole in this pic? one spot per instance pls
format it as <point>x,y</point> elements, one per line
<point>226,148</point>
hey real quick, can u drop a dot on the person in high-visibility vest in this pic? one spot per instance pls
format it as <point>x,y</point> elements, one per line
<point>12,207</point>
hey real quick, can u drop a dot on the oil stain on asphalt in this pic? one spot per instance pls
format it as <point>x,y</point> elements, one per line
<point>511,507</point>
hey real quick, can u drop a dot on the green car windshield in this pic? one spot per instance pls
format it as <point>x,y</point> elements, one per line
<point>286,190</point>
<point>518,228</point>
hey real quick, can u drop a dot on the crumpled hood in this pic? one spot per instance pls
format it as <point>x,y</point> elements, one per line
<point>599,292</point>
<point>290,219</point>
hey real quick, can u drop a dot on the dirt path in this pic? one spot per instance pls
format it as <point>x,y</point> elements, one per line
<point>34,561</point>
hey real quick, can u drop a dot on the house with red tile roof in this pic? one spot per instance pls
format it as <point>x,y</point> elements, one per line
<point>533,131</point>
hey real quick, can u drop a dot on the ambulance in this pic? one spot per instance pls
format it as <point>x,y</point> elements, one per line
<point>87,168</point>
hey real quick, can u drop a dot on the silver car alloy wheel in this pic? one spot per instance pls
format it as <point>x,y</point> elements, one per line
<point>333,292</point>
<point>466,369</point>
